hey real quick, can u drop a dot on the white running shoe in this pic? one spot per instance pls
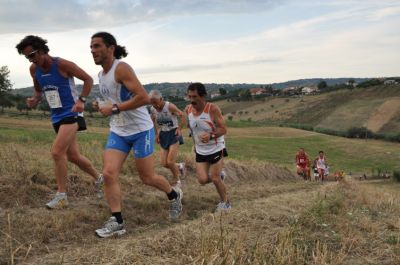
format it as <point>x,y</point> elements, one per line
<point>178,184</point>
<point>222,176</point>
<point>59,201</point>
<point>223,206</point>
<point>111,228</point>
<point>175,209</point>
<point>99,185</point>
<point>182,169</point>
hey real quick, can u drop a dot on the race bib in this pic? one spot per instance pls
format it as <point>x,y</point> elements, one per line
<point>53,98</point>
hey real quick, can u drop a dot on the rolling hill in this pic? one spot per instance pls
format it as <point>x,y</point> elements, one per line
<point>377,108</point>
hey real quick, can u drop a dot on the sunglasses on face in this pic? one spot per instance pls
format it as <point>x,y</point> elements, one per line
<point>31,54</point>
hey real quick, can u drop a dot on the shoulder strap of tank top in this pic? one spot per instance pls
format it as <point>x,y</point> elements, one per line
<point>207,108</point>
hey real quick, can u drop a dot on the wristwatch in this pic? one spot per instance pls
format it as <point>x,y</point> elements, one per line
<point>83,99</point>
<point>212,136</point>
<point>115,109</point>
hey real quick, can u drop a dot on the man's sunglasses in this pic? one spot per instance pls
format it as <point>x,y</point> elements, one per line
<point>31,54</point>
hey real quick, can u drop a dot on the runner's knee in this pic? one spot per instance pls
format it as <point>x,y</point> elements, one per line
<point>57,155</point>
<point>74,158</point>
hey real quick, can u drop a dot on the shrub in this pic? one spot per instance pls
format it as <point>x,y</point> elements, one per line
<point>396,175</point>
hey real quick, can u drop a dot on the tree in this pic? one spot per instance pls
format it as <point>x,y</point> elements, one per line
<point>5,87</point>
<point>222,91</point>
<point>44,106</point>
<point>322,85</point>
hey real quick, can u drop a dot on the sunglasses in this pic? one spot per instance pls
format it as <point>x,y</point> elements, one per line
<point>31,54</point>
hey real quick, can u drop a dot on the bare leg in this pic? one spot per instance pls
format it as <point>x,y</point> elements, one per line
<point>145,168</point>
<point>171,161</point>
<point>113,160</point>
<point>65,136</point>
<point>81,161</point>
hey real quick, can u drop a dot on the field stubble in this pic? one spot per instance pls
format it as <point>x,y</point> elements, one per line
<point>276,219</point>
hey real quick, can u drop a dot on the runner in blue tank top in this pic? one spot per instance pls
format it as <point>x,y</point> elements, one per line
<point>54,77</point>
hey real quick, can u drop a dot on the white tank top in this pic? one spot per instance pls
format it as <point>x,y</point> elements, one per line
<point>127,122</point>
<point>321,163</point>
<point>164,118</point>
<point>203,124</point>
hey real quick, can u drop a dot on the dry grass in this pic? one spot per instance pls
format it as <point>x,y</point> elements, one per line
<point>276,219</point>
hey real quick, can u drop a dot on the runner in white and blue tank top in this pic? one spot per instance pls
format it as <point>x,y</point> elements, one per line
<point>131,128</point>
<point>60,92</point>
<point>54,77</point>
<point>128,122</point>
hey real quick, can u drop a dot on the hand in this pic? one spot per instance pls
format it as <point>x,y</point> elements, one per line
<point>157,139</point>
<point>106,109</point>
<point>95,105</point>
<point>205,137</point>
<point>32,102</point>
<point>178,132</point>
<point>79,106</point>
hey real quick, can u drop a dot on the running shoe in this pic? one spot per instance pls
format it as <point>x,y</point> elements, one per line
<point>178,184</point>
<point>222,176</point>
<point>111,228</point>
<point>175,209</point>
<point>99,185</point>
<point>182,169</point>
<point>59,201</point>
<point>223,206</point>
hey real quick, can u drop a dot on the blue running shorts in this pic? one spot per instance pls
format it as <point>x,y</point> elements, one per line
<point>141,143</point>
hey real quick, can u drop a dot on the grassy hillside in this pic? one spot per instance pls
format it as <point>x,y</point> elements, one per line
<point>276,218</point>
<point>377,108</point>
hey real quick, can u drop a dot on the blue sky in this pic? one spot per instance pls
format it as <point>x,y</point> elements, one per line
<point>218,41</point>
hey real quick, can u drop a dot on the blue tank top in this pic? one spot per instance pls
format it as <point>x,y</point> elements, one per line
<point>60,92</point>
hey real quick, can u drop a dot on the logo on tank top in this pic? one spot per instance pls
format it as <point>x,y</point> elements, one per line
<point>104,90</point>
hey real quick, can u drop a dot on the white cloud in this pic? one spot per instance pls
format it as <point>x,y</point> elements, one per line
<point>385,12</point>
<point>58,15</point>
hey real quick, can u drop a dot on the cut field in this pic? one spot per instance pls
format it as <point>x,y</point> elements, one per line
<point>276,218</point>
<point>375,107</point>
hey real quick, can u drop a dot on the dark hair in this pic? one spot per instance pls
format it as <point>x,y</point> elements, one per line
<point>320,152</point>
<point>108,39</point>
<point>36,42</point>
<point>199,87</point>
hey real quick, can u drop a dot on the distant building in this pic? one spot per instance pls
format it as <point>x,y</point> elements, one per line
<point>309,90</point>
<point>390,82</point>
<point>290,88</point>
<point>257,91</point>
<point>214,95</point>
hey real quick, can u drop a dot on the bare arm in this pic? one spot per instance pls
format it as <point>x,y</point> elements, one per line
<point>124,74</point>
<point>37,92</point>
<point>153,118</point>
<point>180,114</point>
<point>219,121</point>
<point>70,69</point>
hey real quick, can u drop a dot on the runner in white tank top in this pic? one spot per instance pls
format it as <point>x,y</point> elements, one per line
<point>322,165</point>
<point>208,128</point>
<point>131,129</point>
<point>127,122</point>
<point>168,133</point>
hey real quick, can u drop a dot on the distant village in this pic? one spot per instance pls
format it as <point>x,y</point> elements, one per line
<point>321,87</point>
